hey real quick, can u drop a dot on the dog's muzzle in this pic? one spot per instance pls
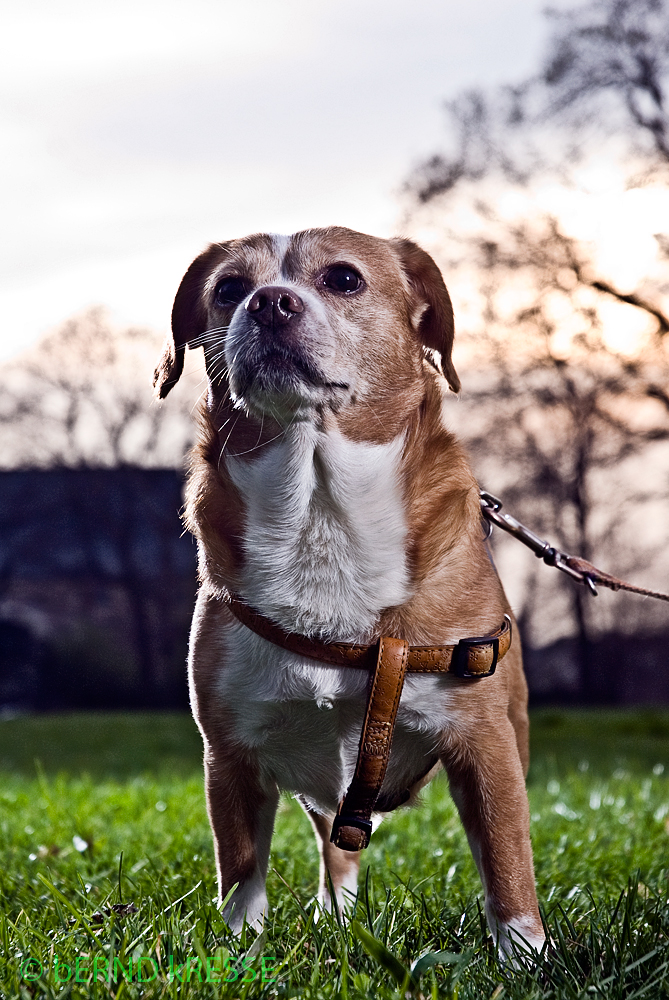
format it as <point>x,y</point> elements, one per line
<point>269,361</point>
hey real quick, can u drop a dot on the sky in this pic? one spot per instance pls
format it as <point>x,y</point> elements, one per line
<point>135,132</point>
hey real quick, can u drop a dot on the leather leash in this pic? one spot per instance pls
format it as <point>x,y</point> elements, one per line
<point>575,567</point>
<point>389,659</point>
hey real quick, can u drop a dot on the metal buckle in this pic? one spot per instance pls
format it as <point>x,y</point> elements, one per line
<point>365,825</point>
<point>460,659</point>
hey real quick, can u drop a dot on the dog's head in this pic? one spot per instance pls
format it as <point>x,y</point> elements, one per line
<point>321,319</point>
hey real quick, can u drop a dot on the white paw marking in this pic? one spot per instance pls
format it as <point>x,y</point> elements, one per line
<point>517,940</point>
<point>248,902</point>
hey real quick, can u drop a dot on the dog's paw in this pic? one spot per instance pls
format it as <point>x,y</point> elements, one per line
<point>345,898</point>
<point>247,905</point>
<point>518,942</point>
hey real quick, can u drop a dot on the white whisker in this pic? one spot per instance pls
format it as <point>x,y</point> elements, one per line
<point>208,335</point>
<point>197,401</point>
<point>258,445</point>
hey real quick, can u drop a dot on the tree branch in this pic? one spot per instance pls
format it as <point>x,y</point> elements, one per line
<point>633,299</point>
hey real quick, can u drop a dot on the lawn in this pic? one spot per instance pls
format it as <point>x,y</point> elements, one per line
<point>107,859</point>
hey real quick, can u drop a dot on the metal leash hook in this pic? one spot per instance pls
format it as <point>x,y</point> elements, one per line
<point>578,569</point>
<point>491,509</point>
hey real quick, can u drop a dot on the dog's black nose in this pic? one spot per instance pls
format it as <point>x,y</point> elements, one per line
<point>274,305</point>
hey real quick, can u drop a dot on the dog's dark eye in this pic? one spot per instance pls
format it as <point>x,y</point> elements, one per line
<point>342,279</point>
<point>230,291</point>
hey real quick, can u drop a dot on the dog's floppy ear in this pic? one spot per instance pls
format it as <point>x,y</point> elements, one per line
<point>435,326</point>
<point>189,318</point>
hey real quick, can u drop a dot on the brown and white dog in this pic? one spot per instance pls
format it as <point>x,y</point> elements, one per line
<point>327,492</point>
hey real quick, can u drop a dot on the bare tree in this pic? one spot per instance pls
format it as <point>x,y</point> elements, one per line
<point>561,413</point>
<point>81,398</point>
<point>604,76</point>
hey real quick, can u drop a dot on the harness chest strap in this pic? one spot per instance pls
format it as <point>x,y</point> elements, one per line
<point>389,659</point>
<point>470,658</point>
<point>352,825</point>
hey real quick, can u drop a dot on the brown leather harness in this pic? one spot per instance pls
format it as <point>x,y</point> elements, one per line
<point>388,660</point>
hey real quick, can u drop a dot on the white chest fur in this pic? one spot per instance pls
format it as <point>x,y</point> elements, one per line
<point>325,532</point>
<point>325,546</point>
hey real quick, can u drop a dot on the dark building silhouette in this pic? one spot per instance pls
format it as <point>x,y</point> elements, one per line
<point>97,586</point>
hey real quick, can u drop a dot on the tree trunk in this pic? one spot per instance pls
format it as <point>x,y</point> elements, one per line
<point>584,647</point>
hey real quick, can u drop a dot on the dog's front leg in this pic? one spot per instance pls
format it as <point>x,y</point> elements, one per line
<point>487,784</point>
<point>342,866</point>
<point>241,811</point>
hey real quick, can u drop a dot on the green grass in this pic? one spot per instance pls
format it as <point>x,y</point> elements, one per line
<point>131,785</point>
<point>112,745</point>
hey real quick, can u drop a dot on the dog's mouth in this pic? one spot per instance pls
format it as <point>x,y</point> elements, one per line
<point>280,374</point>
